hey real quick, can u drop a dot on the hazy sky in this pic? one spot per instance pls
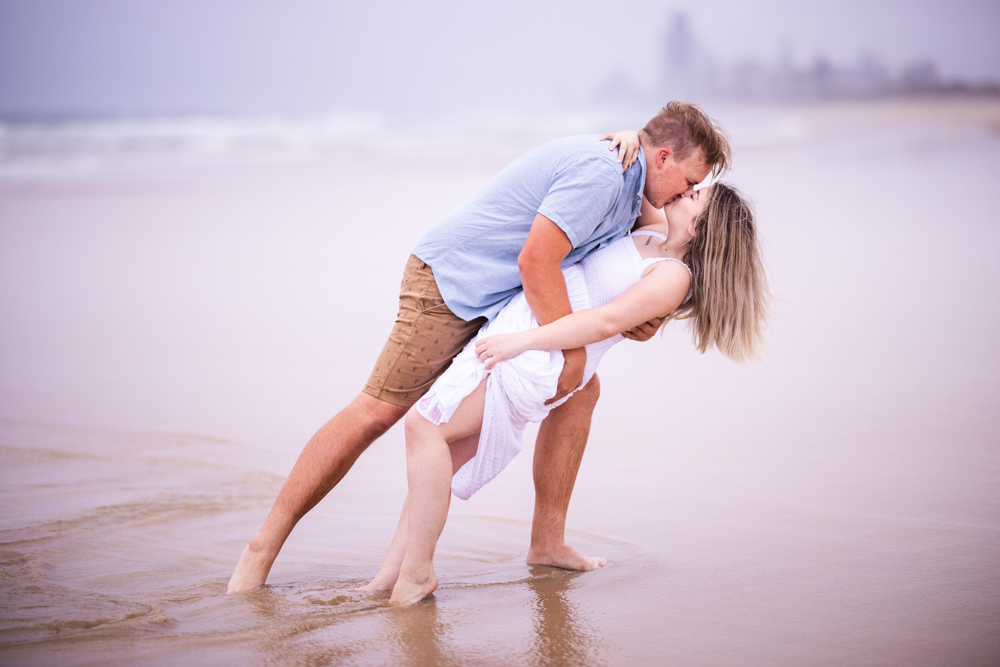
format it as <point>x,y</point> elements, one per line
<point>159,56</point>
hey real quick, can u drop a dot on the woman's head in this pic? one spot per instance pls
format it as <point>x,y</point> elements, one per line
<point>730,301</point>
<point>683,214</point>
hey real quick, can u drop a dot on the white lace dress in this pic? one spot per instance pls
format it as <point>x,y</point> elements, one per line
<point>516,389</point>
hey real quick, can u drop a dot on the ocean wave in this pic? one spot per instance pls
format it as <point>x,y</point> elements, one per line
<point>142,513</point>
<point>41,149</point>
<point>37,147</point>
<point>127,624</point>
<point>219,135</point>
<point>211,135</point>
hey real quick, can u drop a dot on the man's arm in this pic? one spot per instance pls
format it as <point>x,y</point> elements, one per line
<point>545,290</point>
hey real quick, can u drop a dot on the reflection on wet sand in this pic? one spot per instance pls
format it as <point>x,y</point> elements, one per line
<point>437,631</point>
<point>561,637</point>
<point>421,634</point>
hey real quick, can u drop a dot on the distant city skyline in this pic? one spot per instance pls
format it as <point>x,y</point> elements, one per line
<point>141,57</point>
<point>689,69</point>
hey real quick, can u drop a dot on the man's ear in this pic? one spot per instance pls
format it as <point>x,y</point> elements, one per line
<point>664,155</point>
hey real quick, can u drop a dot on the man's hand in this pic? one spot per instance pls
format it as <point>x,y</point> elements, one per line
<point>644,331</point>
<point>571,377</point>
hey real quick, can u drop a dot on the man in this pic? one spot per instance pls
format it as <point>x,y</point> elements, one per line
<point>546,210</point>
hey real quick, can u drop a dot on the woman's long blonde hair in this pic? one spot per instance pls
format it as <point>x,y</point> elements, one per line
<point>730,300</point>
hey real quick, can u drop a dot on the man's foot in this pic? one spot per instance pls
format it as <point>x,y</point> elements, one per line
<point>564,556</point>
<point>251,571</point>
<point>410,590</point>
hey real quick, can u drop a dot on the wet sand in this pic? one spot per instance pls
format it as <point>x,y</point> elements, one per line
<point>173,328</point>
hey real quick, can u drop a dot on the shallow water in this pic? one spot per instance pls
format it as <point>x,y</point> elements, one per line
<point>175,327</point>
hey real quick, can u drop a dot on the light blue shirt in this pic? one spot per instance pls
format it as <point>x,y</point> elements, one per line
<point>576,183</point>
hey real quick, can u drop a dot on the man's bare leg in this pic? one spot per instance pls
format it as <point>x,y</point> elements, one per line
<point>559,448</point>
<point>323,462</point>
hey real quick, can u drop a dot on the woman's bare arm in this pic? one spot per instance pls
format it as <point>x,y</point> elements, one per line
<point>659,292</point>
<point>628,142</point>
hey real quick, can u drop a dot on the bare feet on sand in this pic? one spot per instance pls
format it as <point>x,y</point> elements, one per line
<point>383,581</point>
<point>410,590</point>
<point>251,571</point>
<point>564,556</point>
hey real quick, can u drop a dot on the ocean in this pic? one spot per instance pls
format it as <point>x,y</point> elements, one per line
<point>184,301</point>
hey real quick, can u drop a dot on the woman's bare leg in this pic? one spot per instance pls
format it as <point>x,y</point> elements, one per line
<point>429,468</point>
<point>389,572</point>
<point>461,452</point>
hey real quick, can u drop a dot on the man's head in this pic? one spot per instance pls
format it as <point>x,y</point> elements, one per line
<point>683,146</point>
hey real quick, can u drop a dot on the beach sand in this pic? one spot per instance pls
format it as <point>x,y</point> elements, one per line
<point>174,325</point>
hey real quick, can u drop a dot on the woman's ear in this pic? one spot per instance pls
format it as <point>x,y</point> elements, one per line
<point>692,229</point>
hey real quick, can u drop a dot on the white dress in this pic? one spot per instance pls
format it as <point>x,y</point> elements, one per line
<point>516,389</point>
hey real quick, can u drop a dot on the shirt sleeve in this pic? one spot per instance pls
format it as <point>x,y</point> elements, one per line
<point>580,197</point>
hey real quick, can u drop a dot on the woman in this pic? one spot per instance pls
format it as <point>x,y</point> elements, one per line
<point>696,259</point>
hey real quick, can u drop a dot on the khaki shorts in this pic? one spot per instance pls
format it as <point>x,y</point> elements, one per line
<point>424,340</point>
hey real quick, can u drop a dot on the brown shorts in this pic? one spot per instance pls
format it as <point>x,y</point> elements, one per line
<point>424,340</point>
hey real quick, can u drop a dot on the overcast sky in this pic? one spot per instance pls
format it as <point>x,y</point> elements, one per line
<point>165,56</point>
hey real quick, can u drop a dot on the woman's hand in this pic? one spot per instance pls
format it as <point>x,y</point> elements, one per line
<point>494,349</point>
<point>629,142</point>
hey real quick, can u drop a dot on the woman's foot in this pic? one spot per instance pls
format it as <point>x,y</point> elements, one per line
<point>389,572</point>
<point>410,590</point>
<point>564,556</point>
<point>383,581</point>
<point>251,571</point>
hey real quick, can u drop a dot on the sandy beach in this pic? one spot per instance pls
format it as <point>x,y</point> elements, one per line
<point>179,312</point>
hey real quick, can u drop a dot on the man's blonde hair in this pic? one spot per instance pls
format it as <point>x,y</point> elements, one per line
<point>681,127</point>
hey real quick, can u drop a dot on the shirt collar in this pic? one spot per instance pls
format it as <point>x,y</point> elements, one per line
<point>638,177</point>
